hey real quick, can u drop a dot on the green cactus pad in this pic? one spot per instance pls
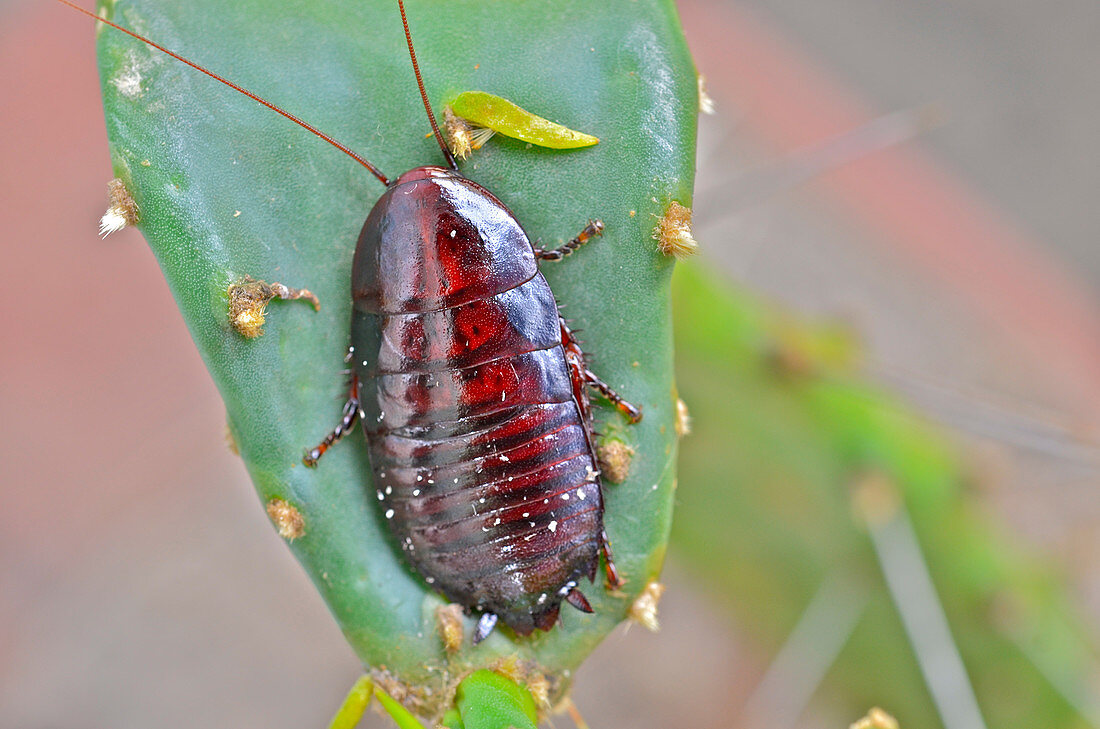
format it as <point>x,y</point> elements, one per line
<point>228,189</point>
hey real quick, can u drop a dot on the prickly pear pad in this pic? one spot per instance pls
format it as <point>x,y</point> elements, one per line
<point>228,189</point>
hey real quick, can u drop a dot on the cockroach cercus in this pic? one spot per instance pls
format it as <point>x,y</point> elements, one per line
<point>472,392</point>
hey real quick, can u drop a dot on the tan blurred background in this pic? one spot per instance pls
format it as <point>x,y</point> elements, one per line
<point>140,584</point>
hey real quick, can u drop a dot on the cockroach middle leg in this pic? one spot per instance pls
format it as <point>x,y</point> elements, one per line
<point>582,376</point>
<point>632,412</point>
<point>592,230</point>
<point>350,415</point>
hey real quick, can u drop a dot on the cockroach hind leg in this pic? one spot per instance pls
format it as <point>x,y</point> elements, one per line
<point>614,580</point>
<point>592,230</point>
<point>348,417</point>
<point>548,619</point>
<point>632,413</point>
<point>577,599</point>
<point>485,625</point>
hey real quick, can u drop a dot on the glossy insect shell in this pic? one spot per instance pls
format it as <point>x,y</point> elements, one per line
<point>479,442</point>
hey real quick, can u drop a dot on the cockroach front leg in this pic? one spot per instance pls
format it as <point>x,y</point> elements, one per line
<point>593,229</point>
<point>347,423</point>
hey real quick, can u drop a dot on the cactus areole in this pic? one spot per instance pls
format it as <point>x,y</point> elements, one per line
<point>473,395</point>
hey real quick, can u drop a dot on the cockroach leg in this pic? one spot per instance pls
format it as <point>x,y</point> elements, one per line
<point>349,415</point>
<point>614,581</point>
<point>583,376</point>
<point>574,359</point>
<point>593,229</point>
<point>485,625</point>
<point>577,599</point>
<point>633,413</point>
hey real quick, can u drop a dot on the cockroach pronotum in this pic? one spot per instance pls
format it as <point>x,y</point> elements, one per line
<point>472,392</point>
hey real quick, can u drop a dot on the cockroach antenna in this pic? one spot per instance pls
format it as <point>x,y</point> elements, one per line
<point>423,95</point>
<point>308,127</point>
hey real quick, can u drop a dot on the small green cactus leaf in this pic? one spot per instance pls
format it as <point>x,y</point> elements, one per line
<point>487,700</point>
<point>452,720</point>
<point>505,117</point>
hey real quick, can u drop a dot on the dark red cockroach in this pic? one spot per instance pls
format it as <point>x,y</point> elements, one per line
<point>472,393</point>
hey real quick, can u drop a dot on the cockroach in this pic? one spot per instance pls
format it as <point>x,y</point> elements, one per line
<point>472,392</point>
